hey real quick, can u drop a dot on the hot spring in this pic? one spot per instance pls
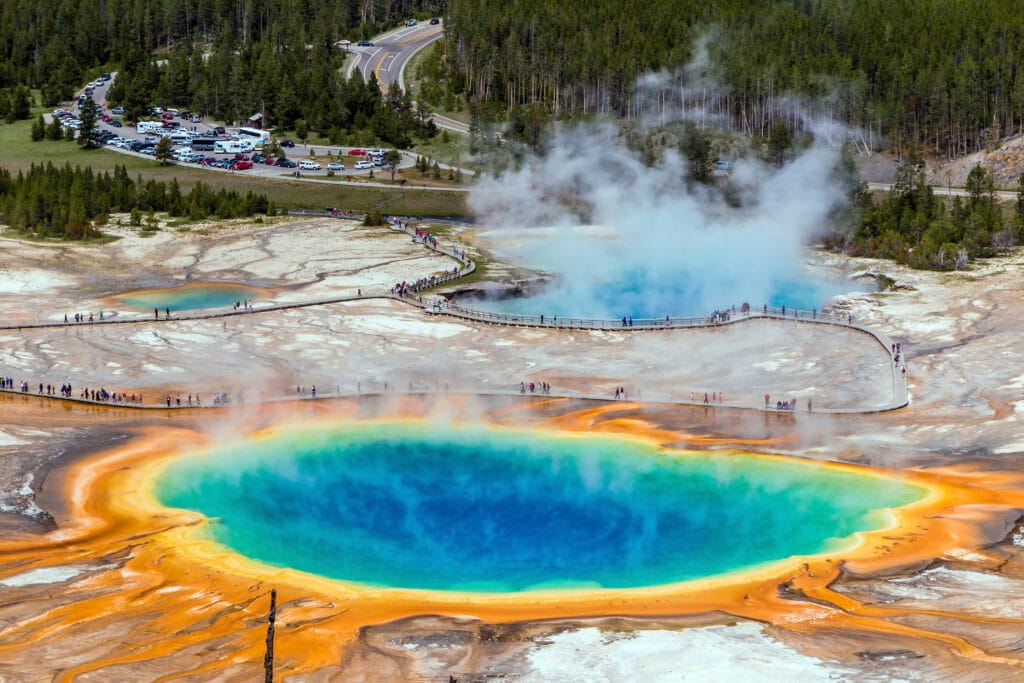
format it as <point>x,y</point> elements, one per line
<point>410,505</point>
<point>600,272</point>
<point>191,297</point>
<point>636,295</point>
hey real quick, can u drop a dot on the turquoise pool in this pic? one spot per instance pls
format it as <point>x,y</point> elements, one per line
<point>190,297</point>
<point>479,509</point>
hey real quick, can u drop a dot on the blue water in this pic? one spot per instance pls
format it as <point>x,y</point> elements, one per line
<point>401,505</point>
<point>190,297</point>
<point>638,295</point>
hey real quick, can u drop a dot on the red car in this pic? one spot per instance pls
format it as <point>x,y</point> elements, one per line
<point>167,116</point>
<point>270,161</point>
<point>241,165</point>
<point>242,157</point>
<point>357,152</point>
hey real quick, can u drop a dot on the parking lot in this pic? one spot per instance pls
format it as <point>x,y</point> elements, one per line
<point>126,139</point>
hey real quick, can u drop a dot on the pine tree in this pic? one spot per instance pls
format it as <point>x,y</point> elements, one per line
<point>53,130</point>
<point>38,129</point>
<point>21,103</point>
<point>163,150</point>
<point>88,118</point>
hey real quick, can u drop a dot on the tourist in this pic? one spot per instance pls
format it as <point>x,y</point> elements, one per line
<point>766,397</point>
<point>156,314</point>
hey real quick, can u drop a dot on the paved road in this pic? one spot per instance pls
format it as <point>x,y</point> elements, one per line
<point>1002,195</point>
<point>390,55</point>
<point>391,52</point>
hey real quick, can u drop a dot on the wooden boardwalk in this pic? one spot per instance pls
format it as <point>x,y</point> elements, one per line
<point>440,307</point>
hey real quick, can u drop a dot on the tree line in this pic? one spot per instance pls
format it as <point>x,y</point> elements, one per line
<point>226,59</point>
<point>945,76</point>
<point>73,203</point>
<point>52,44</point>
<point>912,225</point>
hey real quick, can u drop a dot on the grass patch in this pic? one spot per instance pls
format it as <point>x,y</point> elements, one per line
<point>455,152</point>
<point>19,153</point>
<point>104,238</point>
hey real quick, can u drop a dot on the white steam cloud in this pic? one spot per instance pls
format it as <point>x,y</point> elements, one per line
<point>592,212</point>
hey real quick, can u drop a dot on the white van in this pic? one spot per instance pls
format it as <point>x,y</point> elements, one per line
<point>309,166</point>
<point>363,165</point>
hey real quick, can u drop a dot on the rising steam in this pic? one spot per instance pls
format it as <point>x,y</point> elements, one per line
<point>627,237</point>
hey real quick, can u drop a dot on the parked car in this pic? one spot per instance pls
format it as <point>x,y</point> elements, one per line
<point>286,143</point>
<point>258,158</point>
<point>219,130</point>
<point>241,165</point>
<point>242,157</point>
<point>270,161</point>
<point>309,166</point>
<point>116,123</point>
<point>363,164</point>
<point>285,162</point>
<point>335,166</point>
<point>117,110</point>
<point>357,152</point>
<point>365,43</point>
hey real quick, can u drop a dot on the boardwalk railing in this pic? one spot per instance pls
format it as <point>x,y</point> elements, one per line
<point>628,323</point>
<point>440,306</point>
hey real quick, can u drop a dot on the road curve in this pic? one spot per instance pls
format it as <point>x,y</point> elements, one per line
<point>387,57</point>
<point>391,53</point>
